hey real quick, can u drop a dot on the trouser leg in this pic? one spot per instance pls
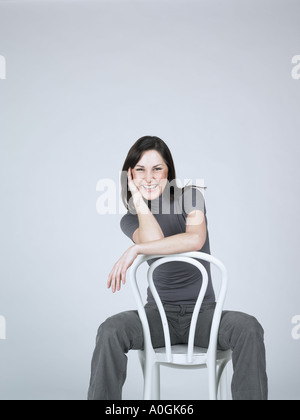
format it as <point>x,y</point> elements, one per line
<point>116,336</point>
<point>244,335</point>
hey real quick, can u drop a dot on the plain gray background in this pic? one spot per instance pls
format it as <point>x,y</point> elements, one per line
<point>85,80</point>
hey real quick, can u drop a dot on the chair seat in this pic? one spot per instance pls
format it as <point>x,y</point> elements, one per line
<point>179,355</point>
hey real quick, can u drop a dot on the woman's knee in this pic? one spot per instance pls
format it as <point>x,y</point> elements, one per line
<point>120,329</point>
<point>239,325</point>
<point>243,322</point>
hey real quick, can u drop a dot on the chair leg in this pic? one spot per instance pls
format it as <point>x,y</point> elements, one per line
<point>212,381</point>
<point>142,361</point>
<point>223,385</point>
<point>148,380</point>
<point>156,382</point>
<point>222,379</point>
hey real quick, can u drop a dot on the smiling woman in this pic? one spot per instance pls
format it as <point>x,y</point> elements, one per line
<point>148,168</point>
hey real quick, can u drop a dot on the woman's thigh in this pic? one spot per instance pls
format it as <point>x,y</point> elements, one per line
<point>203,326</point>
<point>232,324</point>
<point>127,328</point>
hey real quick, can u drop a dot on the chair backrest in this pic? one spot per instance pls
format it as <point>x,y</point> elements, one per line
<point>188,257</point>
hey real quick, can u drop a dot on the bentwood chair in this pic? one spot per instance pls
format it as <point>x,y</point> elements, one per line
<point>183,356</point>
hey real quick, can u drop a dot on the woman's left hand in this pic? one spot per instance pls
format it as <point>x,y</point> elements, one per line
<point>118,273</point>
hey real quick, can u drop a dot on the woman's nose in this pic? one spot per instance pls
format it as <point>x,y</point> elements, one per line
<point>148,177</point>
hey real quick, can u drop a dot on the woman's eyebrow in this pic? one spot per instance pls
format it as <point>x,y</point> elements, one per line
<point>141,166</point>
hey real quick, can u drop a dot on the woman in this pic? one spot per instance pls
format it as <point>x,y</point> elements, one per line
<point>164,219</point>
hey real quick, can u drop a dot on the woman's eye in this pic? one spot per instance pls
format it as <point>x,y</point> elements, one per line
<point>140,169</point>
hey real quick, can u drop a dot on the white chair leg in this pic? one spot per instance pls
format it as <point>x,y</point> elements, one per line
<point>212,382</point>
<point>156,382</point>
<point>148,380</point>
<point>142,361</point>
<point>223,385</point>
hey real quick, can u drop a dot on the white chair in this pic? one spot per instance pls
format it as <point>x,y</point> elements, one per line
<point>181,356</point>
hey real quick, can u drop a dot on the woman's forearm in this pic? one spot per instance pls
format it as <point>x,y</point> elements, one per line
<point>149,229</point>
<point>182,242</point>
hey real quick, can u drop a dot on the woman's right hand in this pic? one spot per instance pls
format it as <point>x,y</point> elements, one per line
<point>136,195</point>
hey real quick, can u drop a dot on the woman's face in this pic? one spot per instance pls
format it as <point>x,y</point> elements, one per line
<point>150,174</point>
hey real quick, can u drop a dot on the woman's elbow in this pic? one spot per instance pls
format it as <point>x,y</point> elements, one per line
<point>199,242</point>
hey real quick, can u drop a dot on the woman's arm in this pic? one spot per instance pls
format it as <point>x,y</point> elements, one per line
<point>149,229</point>
<point>191,240</point>
<point>182,242</point>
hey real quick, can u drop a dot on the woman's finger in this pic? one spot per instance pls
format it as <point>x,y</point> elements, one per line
<point>109,280</point>
<point>112,280</point>
<point>123,276</point>
<point>118,278</point>
<point>130,180</point>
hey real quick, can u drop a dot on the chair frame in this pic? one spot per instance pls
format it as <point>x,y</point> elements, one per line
<point>182,356</point>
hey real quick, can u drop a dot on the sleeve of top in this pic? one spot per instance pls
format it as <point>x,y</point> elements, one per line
<point>193,199</point>
<point>129,223</point>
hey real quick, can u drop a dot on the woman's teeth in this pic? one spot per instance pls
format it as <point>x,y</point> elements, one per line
<point>149,188</point>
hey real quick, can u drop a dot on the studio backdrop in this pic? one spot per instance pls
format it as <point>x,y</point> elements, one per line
<point>80,82</point>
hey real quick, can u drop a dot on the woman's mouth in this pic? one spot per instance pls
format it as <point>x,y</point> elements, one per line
<point>150,187</point>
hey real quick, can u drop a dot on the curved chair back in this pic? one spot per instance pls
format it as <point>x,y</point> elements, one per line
<point>188,257</point>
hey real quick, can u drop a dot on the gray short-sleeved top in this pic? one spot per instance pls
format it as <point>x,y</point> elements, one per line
<point>177,283</point>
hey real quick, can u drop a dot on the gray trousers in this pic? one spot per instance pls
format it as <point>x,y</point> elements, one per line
<point>122,332</point>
